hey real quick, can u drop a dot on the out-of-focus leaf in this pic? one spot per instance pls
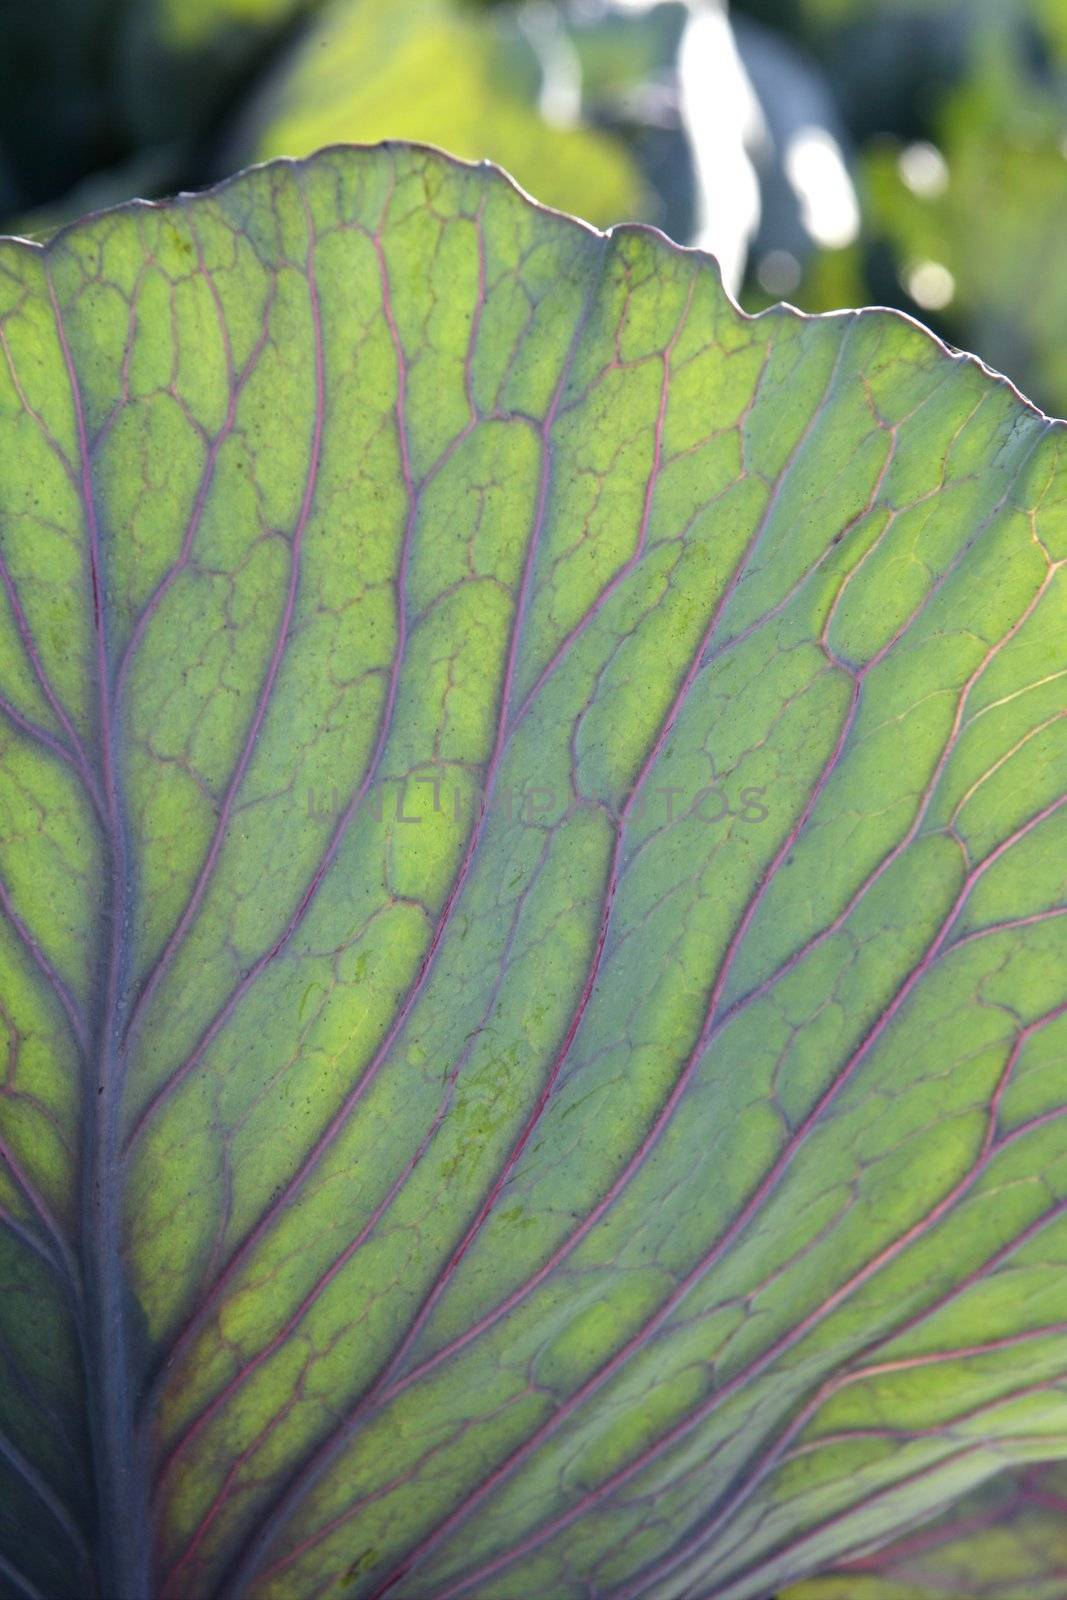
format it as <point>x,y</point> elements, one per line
<point>1051,18</point>
<point>833,12</point>
<point>1006,1542</point>
<point>532,894</point>
<point>181,61</point>
<point>436,72</point>
<point>188,24</point>
<point>620,51</point>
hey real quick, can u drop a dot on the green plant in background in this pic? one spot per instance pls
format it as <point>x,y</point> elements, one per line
<point>990,219</point>
<point>958,116</point>
<point>532,892</point>
<point>100,96</point>
<point>172,93</point>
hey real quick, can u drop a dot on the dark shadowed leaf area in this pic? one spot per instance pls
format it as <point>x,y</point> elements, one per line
<point>531,910</point>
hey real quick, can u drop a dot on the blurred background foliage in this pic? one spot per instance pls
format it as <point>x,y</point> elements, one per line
<point>830,152</point>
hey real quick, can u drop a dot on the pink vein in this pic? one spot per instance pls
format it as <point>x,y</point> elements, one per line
<point>687,1424</point>
<point>651,759</point>
<point>76,752</point>
<point>384,728</point>
<point>323,1454</point>
<point>110,790</point>
<point>575,1238</point>
<point>833,1386</point>
<point>225,1012</point>
<point>238,383</point>
<point>567,644</point>
<point>547,1087</point>
<point>507,1467</point>
<point>337,1122</point>
<point>246,1371</point>
<point>207,869</point>
<point>990,1149</point>
<point>444,919</point>
<point>908,838</point>
<point>45,968</point>
<point>741,933</point>
<point>47,741</point>
<point>44,1215</point>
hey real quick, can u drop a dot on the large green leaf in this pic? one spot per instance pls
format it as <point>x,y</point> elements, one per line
<point>532,887</point>
<point>1008,1541</point>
